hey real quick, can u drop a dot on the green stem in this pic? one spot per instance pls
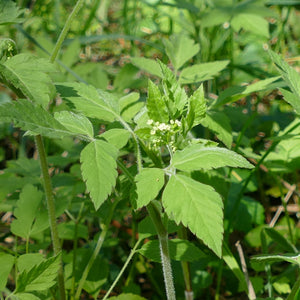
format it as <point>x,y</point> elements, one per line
<point>123,269</point>
<point>97,249</point>
<point>51,211</point>
<point>65,30</point>
<point>296,287</point>
<point>164,250</point>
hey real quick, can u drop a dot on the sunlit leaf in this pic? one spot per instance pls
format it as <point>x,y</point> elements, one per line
<point>149,65</point>
<point>9,12</point>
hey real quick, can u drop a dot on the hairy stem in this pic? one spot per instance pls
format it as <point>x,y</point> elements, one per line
<point>164,250</point>
<point>51,211</point>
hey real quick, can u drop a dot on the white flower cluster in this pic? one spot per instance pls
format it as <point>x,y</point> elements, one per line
<point>164,134</point>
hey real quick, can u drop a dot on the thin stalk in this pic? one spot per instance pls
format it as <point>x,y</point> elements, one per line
<point>65,30</point>
<point>296,287</point>
<point>91,17</point>
<point>123,269</point>
<point>51,211</point>
<point>164,250</point>
<point>97,249</point>
<point>189,294</point>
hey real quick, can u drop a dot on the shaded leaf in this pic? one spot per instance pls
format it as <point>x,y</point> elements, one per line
<point>10,13</point>
<point>26,211</point>
<point>202,72</point>
<point>196,157</point>
<point>32,117</point>
<point>98,167</point>
<point>180,250</point>
<point>40,277</point>
<point>180,48</point>
<point>148,182</point>
<point>196,206</point>
<point>6,262</point>
<point>28,74</point>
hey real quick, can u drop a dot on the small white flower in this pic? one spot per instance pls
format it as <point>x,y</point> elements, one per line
<point>178,123</point>
<point>152,132</point>
<point>226,25</point>
<point>150,122</point>
<point>171,122</point>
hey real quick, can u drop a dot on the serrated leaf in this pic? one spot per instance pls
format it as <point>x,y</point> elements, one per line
<point>29,74</point>
<point>32,117</point>
<point>180,48</point>
<point>6,262</point>
<point>26,211</point>
<point>196,109</point>
<point>130,106</point>
<point>148,182</point>
<point>292,99</point>
<point>180,250</point>
<point>157,109</point>
<point>269,258</point>
<point>202,72</point>
<point>10,13</point>
<point>117,137</point>
<point>91,102</point>
<point>40,277</point>
<point>98,167</point>
<point>127,297</point>
<point>27,261</point>
<point>75,123</point>
<point>197,206</point>
<point>219,123</point>
<point>175,94</point>
<point>148,65</point>
<point>197,157</point>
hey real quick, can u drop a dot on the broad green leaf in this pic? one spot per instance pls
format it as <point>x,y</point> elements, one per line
<point>180,48</point>
<point>32,117</point>
<point>196,109</point>
<point>6,262</point>
<point>289,74</point>
<point>250,22</point>
<point>40,277</point>
<point>148,182</point>
<point>130,106</point>
<point>235,93</point>
<point>91,102</point>
<point>29,75</point>
<point>98,167</point>
<point>127,297</point>
<point>219,123</point>
<point>27,261</point>
<point>269,258</point>
<point>26,211</point>
<point>149,65</point>
<point>75,123</point>
<point>117,137</point>
<point>197,157</point>
<point>25,296</point>
<point>175,94</point>
<point>180,250</point>
<point>202,72</point>
<point>197,206</point>
<point>157,109</point>
<point>9,12</point>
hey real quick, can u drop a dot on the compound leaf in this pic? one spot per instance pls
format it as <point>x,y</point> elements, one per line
<point>197,206</point>
<point>32,117</point>
<point>148,182</point>
<point>197,157</point>
<point>180,48</point>
<point>28,74</point>
<point>91,102</point>
<point>40,277</point>
<point>26,211</point>
<point>98,167</point>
